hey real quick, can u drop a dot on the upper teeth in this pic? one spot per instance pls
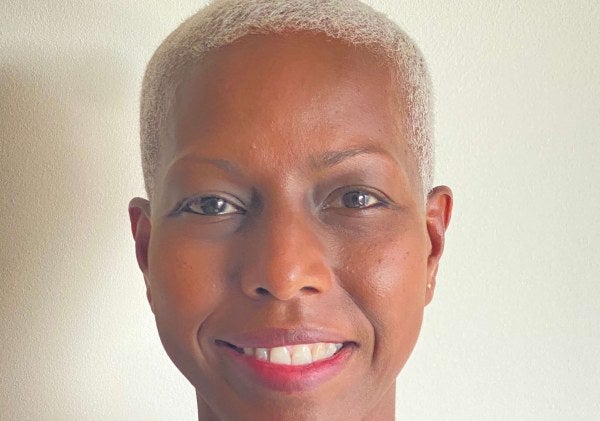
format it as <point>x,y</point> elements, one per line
<point>294,354</point>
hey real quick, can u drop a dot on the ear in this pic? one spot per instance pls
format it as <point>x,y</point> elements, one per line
<point>141,227</point>
<point>438,212</point>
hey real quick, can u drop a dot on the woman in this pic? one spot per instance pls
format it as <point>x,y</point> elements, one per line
<point>291,237</point>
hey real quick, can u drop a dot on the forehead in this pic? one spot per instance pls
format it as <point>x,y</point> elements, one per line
<point>286,98</point>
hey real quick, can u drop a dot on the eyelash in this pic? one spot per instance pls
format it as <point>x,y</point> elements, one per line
<point>341,193</point>
<point>185,205</point>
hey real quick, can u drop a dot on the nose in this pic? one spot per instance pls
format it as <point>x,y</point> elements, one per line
<point>285,259</point>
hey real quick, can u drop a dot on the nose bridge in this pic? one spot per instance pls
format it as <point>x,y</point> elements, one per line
<point>290,259</point>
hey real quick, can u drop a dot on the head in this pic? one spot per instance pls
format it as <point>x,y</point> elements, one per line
<point>292,238</point>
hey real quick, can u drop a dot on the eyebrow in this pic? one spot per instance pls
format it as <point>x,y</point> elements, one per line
<point>219,163</point>
<point>222,163</point>
<point>316,163</point>
<point>332,158</point>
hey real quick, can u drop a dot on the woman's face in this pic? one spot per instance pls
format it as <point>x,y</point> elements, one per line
<point>288,250</point>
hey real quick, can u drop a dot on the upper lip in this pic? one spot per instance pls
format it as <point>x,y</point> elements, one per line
<point>275,337</point>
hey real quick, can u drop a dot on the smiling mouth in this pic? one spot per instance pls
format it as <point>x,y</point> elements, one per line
<point>290,355</point>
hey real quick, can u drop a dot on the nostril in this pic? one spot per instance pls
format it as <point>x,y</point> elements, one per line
<point>262,291</point>
<point>309,290</point>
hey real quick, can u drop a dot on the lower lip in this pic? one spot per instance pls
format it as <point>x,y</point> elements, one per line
<point>290,378</point>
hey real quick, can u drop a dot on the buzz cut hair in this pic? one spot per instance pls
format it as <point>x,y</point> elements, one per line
<point>222,22</point>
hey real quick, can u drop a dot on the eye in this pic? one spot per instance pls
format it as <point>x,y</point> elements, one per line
<point>355,199</point>
<point>210,206</point>
<point>359,199</point>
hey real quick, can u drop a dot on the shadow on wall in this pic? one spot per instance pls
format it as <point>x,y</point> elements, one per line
<point>57,143</point>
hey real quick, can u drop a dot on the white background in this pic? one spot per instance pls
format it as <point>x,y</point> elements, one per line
<point>514,329</point>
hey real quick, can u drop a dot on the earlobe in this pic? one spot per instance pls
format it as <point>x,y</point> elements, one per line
<point>438,213</point>
<point>141,227</point>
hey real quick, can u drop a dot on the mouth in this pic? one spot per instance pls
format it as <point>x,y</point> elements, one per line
<point>290,355</point>
<point>286,360</point>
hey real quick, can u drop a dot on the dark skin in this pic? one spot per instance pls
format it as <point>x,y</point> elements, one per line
<point>287,197</point>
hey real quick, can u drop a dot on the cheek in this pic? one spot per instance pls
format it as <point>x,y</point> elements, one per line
<point>185,282</point>
<point>385,271</point>
<point>387,280</point>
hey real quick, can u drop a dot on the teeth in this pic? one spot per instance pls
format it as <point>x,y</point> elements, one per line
<point>302,354</point>
<point>262,354</point>
<point>323,351</point>
<point>280,355</point>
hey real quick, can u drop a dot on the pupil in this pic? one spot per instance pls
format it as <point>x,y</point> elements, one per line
<point>212,205</point>
<point>355,199</point>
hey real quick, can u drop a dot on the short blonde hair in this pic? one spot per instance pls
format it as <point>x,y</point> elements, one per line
<point>223,21</point>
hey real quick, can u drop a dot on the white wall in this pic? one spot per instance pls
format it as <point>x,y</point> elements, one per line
<point>513,332</point>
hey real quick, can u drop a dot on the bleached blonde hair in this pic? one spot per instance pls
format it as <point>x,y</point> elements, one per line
<point>224,21</point>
